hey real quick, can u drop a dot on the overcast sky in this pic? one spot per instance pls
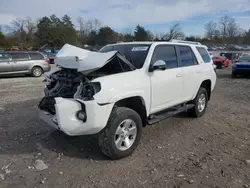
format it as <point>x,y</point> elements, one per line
<point>122,15</point>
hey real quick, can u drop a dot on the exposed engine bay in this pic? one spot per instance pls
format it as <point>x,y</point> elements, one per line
<point>62,83</point>
<point>66,82</point>
<point>72,83</point>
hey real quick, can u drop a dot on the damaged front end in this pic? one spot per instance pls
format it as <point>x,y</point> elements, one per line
<point>69,103</point>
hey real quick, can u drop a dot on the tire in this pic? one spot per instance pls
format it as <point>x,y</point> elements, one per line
<point>234,75</point>
<point>36,71</point>
<point>109,135</point>
<point>219,66</point>
<point>195,111</point>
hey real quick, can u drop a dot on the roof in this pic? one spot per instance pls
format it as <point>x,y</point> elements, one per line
<point>17,51</point>
<point>160,42</point>
<point>136,42</point>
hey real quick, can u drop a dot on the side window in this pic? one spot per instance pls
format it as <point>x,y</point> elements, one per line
<point>36,56</point>
<point>204,54</point>
<point>167,54</point>
<point>187,56</point>
<point>3,57</point>
<point>20,56</point>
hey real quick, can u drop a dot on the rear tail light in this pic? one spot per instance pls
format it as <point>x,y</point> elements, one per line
<point>46,60</point>
<point>214,66</point>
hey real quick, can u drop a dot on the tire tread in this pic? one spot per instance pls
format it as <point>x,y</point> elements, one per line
<point>103,140</point>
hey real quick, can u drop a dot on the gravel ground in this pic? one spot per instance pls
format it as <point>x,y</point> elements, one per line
<point>181,152</point>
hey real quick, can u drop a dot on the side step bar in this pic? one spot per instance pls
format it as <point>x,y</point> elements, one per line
<point>166,114</point>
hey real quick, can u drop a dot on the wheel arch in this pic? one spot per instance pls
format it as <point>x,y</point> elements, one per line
<point>207,84</point>
<point>135,103</point>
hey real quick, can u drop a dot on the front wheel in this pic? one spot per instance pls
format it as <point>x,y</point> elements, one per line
<point>234,75</point>
<point>200,103</point>
<point>219,66</point>
<point>122,133</point>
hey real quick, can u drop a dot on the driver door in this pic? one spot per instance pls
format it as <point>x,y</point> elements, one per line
<point>5,63</point>
<point>166,85</point>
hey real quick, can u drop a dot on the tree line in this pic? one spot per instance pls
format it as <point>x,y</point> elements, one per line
<point>55,32</point>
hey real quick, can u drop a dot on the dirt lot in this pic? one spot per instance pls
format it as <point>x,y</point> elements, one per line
<point>212,151</point>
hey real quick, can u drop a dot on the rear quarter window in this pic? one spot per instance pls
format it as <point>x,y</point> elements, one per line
<point>4,57</point>
<point>204,54</point>
<point>36,56</point>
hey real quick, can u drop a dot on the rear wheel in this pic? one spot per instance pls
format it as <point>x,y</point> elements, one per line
<point>122,133</point>
<point>200,103</point>
<point>219,65</point>
<point>36,71</point>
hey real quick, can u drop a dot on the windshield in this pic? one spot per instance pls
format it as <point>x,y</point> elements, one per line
<point>245,58</point>
<point>135,53</point>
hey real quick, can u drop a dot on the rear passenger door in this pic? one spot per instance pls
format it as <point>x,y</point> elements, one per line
<point>20,61</point>
<point>166,85</point>
<point>191,71</point>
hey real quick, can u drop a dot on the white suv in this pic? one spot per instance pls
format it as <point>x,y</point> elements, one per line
<point>120,89</point>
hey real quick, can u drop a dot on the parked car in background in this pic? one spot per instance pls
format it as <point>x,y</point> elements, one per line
<point>211,54</point>
<point>23,62</point>
<point>230,56</point>
<point>244,54</point>
<point>220,61</point>
<point>241,67</point>
<point>50,56</point>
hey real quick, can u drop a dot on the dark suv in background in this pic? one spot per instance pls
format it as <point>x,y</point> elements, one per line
<point>23,62</point>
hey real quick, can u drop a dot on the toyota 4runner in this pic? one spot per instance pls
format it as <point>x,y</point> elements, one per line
<point>117,91</point>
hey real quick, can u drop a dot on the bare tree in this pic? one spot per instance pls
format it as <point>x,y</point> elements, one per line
<point>19,29</point>
<point>30,27</point>
<point>228,27</point>
<point>86,27</point>
<point>151,36</point>
<point>23,30</point>
<point>89,25</point>
<point>96,24</point>
<point>224,21</point>
<point>211,30</point>
<point>233,30</point>
<point>81,23</point>
<point>174,33</point>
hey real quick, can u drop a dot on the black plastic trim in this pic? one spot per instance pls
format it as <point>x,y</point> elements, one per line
<point>103,104</point>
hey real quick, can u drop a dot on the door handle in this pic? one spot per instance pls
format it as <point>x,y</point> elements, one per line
<point>178,75</point>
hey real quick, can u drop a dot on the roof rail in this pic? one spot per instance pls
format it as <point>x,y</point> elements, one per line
<point>184,41</point>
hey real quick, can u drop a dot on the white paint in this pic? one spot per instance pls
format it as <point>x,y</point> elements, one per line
<point>159,90</point>
<point>84,61</point>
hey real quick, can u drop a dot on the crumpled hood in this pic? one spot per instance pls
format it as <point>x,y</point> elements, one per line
<point>84,61</point>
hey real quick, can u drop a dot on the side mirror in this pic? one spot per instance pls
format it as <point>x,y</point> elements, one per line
<point>158,65</point>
